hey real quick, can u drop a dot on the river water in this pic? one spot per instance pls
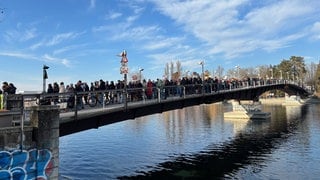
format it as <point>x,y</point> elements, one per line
<point>198,143</point>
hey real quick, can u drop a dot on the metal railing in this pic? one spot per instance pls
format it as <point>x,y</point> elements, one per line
<point>78,101</point>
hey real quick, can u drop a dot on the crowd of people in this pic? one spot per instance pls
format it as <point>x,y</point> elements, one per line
<point>145,89</point>
<point>137,90</point>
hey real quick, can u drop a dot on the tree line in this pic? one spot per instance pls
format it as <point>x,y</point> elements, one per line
<point>292,69</point>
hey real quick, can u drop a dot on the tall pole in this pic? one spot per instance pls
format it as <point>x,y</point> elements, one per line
<point>202,70</point>
<point>124,70</point>
<point>140,74</point>
<point>238,72</point>
<point>45,76</point>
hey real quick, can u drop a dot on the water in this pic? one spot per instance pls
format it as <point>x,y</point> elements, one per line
<point>197,142</point>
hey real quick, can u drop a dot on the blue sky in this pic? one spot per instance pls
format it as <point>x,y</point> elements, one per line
<point>79,39</point>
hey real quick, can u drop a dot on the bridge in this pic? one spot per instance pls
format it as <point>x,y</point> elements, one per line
<point>40,122</point>
<point>132,106</point>
<point>78,119</point>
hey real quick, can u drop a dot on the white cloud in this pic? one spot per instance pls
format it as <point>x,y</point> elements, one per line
<point>45,58</point>
<point>62,37</point>
<point>160,43</point>
<point>315,30</point>
<point>113,15</point>
<point>232,28</point>
<point>138,33</point>
<point>13,36</point>
<point>19,55</point>
<point>51,59</point>
<point>92,4</point>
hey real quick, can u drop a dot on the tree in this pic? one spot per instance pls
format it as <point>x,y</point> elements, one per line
<point>317,78</point>
<point>292,69</point>
<point>298,67</point>
<point>310,77</point>
<point>219,71</point>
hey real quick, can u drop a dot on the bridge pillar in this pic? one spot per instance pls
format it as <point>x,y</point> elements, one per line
<point>246,111</point>
<point>45,120</point>
<point>31,150</point>
<point>238,111</point>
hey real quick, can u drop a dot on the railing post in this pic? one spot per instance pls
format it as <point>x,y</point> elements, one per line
<point>104,99</point>
<point>143,95</point>
<point>159,95</point>
<point>75,106</point>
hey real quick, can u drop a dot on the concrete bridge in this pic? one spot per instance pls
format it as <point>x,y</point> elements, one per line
<point>31,128</point>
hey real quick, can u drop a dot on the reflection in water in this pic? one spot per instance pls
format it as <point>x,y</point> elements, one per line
<point>253,144</point>
<point>196,142</point>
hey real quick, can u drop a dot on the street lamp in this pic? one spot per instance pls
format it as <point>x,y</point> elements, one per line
<point>271,71</point>
<point>187,74</point>
<point>238,73</point>
<point>140,74</point>
<point>202,69</point>
<point>45,76</point>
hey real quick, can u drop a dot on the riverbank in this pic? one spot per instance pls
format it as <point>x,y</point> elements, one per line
<point>275,101</point>
<point>279,101</point>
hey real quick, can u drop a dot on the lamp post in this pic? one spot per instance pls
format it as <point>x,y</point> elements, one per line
<point>202,70</point>
<point>238,72</point>
<point>140,74</point>
<point>271,71</point>
<point>45,76</point>
<point>187,74</point>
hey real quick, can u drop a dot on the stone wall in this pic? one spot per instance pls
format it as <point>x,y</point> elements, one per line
<point>34,152</point>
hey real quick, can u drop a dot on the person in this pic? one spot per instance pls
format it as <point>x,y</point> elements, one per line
<point>5,88</point>
<point>86,89</point>
<point>1,100</point>
<point>12,88</point>
<point>62,89</point>
<point>50,88</point>
<point>56,91</point>
<point>71,99</point>
<point>48,99</point>
<point>79,89</point>
<point>149,89</point>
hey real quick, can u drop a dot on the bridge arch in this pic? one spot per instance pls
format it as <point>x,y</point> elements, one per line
<point>253,93</point>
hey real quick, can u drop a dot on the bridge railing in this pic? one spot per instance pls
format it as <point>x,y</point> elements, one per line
<point>123,98</point>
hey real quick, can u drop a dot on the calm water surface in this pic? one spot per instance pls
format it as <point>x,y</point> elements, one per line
<point>198,143</point>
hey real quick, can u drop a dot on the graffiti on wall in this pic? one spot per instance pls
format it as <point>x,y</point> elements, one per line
<point>31,164</point>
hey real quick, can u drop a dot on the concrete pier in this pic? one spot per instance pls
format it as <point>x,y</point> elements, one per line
<point>246,111</point>
<point>31,152</point>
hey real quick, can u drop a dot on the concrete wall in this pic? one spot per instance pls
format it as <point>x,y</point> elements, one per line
<point>34,152</point>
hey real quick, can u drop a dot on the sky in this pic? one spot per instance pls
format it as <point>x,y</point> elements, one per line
<point>80,39</point>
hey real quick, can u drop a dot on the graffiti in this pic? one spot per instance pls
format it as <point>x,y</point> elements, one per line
<point>32,164</point>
